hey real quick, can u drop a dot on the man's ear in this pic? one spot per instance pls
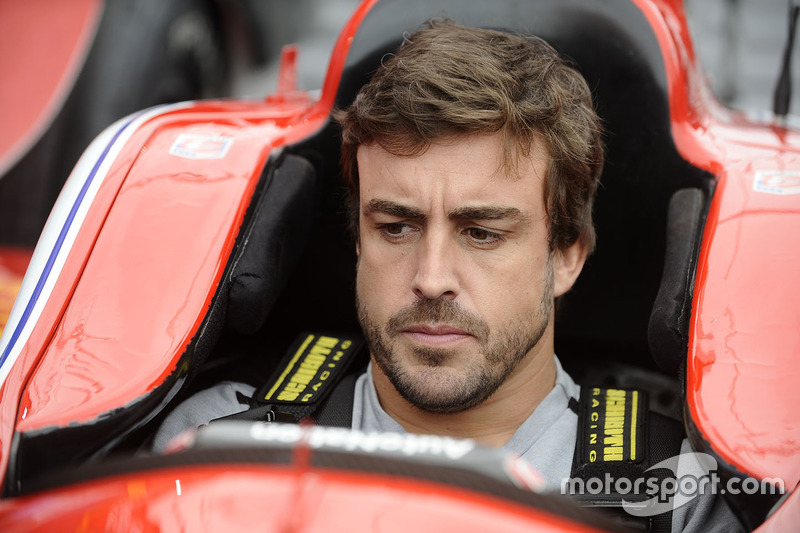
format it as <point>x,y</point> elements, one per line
<point>567,266</point>
<point>358,247</point>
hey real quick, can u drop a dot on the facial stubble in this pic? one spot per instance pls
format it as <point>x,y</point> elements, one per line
<point>434,387</point>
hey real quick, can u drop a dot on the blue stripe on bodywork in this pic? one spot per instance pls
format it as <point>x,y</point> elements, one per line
<point>59,243</point>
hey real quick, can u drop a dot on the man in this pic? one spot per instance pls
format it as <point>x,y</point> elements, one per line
<point>472,158</point>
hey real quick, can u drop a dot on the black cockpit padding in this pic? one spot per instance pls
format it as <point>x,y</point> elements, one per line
<point>272,245</point>
<point>668,331</point>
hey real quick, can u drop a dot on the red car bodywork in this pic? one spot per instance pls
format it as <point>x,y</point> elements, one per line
<point>231,498</point>
<point>744,343</point>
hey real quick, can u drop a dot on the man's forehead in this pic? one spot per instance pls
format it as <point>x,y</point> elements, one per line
<point>463,176</point>
<point>496,155</point>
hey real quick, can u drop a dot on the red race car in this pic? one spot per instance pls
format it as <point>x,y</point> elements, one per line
<point>193,242</point>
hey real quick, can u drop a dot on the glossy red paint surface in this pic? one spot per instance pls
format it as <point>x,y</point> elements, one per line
<point>42,46</point>
<point>12,388</point>
<point>744,347</point>
<point>264,498</point>
<point>339,56</point>
<point>122,332</point>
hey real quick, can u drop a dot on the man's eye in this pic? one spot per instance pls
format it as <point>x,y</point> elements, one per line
<point>480,234</point>
<point>395,230</point>
<point>483,237</point>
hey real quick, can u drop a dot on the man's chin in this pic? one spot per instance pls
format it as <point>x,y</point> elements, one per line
<point>438,389</point>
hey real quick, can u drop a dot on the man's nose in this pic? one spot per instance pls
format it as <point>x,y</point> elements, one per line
<point>436,264</point>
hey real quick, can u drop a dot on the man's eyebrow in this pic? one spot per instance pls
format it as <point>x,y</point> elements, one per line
<point>487,213</point>
<point>388,207</point>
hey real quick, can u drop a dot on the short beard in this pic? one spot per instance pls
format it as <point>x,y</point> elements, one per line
<point>501,355</point>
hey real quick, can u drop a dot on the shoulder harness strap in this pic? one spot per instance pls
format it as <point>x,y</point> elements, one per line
<point>306,376</point>
<point>619,438</point>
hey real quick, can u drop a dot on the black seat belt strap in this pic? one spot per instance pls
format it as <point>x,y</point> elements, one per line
<point>619,438</point>
<point>307,375</point>
<point>337,410</point>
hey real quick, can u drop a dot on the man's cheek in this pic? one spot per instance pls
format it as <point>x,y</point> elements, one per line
<point>368,284</point>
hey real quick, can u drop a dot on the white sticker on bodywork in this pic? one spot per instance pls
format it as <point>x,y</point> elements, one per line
<point>195,146</point>
<point>777,182</point>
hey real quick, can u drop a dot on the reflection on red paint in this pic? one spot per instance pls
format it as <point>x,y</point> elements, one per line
<point>235,498</point>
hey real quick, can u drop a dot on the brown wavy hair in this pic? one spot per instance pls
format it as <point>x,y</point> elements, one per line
<point>448,79</point>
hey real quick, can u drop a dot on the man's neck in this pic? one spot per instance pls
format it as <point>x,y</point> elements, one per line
<point>491,423</point>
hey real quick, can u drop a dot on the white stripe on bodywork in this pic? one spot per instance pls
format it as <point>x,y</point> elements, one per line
<point>60,232</point>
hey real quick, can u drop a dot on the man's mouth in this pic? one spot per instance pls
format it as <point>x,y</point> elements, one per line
<point>436,334</point>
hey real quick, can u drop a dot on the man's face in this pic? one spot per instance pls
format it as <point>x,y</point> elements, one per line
<point>455,280</point>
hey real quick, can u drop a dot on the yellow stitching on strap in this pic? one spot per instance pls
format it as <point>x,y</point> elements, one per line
<point>633,424</point>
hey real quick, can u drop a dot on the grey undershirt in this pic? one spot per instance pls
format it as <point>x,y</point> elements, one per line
<point>542,440</point>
